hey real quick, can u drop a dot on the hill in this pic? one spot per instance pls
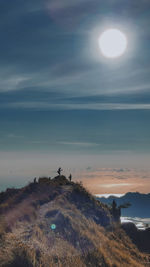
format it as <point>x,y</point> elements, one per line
<point>140,204</point>
<point>58,223</point>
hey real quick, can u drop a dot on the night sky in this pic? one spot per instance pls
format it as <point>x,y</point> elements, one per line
<point>63,103</point>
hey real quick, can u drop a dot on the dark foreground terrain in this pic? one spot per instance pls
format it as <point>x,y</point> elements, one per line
<point>58,223</point>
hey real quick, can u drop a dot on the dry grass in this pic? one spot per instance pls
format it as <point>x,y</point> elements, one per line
<point>78,240</point>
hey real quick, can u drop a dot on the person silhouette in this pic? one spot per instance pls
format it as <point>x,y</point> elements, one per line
<point>70,177</point>
<point>59,171</point>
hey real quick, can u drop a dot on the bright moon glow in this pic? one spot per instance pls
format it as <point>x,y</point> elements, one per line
<point>113,43</point>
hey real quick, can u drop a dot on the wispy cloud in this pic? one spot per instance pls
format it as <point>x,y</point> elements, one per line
<point>13,82</point>
<point>89,106</point>
<point>80,144</point>
<point>15,136</point>
<point>115,185</point>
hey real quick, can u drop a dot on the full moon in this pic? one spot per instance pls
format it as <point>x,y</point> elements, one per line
<point>112,43</point>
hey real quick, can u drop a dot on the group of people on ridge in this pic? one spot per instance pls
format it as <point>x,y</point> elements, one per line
<point>59,171</point>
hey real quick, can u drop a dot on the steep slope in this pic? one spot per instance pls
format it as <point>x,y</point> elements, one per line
<point>58,223</point>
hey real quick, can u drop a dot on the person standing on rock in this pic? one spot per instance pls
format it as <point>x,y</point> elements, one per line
<point>59,171</point>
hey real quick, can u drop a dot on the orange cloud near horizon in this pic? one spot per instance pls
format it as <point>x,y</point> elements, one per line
<point>116,181</point>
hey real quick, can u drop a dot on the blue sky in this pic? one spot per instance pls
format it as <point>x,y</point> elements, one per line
<point>59,96</point>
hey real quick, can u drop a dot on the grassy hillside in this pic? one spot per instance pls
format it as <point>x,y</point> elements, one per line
<point>58,223</point>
